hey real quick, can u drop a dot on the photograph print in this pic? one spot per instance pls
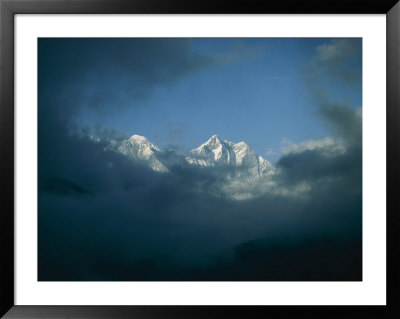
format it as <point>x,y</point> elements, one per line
<point>199,159</point>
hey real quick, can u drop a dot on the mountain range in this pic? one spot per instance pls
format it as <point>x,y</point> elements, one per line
<point>238,160</point>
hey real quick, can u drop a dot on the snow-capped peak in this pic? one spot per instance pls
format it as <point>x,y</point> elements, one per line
<point>213,139</point>
<point>215,152</point>
<point>138,139</point>
<point>212,142</point>
<point>140,148</point>
<point>211,153</point>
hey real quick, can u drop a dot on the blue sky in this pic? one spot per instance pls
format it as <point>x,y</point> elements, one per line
<point>181,91</point>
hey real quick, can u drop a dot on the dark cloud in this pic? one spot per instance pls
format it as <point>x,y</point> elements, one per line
<point>108,74</point>
<point>338,162</point>
<point>330,161</point>
<point>344,120</point>
<point>138,224</point>
<point>105,217</point>
<point>63,187</point>
<point>339,59</point>
<point>314,165</point>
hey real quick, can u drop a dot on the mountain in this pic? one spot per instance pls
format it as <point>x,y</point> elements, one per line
<point>239,156</point>
<point>237,159</point>
<point>247,159</point>
<point>140,148</point>
<point>211,153</point>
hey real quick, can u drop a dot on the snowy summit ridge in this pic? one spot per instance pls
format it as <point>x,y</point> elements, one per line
<point>241,160</point>
<point>215,152</point>
<point>211,153</point>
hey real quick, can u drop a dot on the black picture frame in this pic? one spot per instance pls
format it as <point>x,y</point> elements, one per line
<point>9,8</point>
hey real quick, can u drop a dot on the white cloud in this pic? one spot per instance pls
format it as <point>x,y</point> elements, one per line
<point>328,145</point>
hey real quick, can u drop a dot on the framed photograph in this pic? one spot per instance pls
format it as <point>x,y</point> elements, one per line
<point>196,160</point>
